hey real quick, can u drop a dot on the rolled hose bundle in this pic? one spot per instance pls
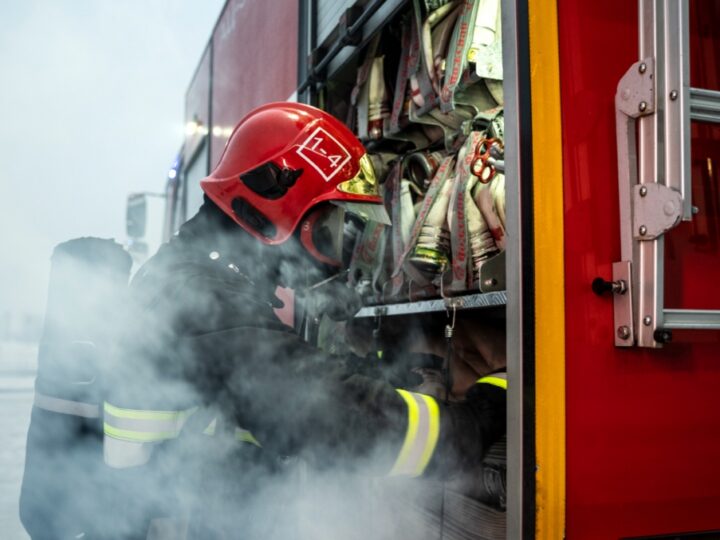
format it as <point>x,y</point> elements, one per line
<point>88,279</point>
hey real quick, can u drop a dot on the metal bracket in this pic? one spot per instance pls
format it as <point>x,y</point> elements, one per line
<point>634,99</point>
<point>636,90</point>
<point>492,274</point>
<point>468,301</point>
<point>656,210</point>
<point>623,305</point>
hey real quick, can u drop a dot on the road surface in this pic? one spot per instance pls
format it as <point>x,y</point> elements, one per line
<point>17,375</point>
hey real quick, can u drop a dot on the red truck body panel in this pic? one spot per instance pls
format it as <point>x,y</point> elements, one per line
<point>643,426</point>
<point>254,61</point>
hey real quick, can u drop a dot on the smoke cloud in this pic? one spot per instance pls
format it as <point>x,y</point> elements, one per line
<point>91,102</point>
<point>318,470</point>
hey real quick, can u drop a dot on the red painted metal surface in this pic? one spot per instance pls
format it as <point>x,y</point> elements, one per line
<point>255,48</point>
<point>197,104</point>
<point>643,426</point>
<point>705,44</point>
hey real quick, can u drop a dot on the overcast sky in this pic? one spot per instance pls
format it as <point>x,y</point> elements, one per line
<point>91,108</point>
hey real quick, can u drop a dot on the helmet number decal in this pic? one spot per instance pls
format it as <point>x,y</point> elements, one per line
<point>324,153</point>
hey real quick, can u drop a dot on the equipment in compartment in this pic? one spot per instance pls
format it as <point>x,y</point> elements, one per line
<point>426,100</point>
<point>432,122</point>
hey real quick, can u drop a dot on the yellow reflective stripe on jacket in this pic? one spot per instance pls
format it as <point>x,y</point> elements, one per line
<point>143,425</point>
<point>142,414</point>
<point>496,379</point>
<point>138,436</point>
<point>421,436</point>
<point>245,436</point>
<point>242,435</point>
<point>212,426</point>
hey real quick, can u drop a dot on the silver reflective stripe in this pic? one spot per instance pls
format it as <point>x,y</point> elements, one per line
<point>66,406</point>
<point>120,454</point>
<point>421,436</point>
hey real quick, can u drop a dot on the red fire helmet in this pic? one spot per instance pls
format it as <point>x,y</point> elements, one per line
<point>282,160</point>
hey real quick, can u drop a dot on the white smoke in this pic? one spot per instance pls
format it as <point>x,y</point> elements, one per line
<point>91,108</point>
<point>314,476</point>
<point>91,103</point>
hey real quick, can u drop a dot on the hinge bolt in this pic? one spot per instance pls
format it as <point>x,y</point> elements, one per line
<point>643,106</point>
<point>647,321</point>
<point>600,286</point>
<point>642,68</point>
<point>673,95</point>
<point>623,332</point>
<point>643,230</point>
<point>643,191</point>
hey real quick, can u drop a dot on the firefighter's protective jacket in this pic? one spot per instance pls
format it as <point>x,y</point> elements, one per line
<point>205,360</point>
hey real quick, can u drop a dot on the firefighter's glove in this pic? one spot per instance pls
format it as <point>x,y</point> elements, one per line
<point>469,428</point>
<point>336,300</point>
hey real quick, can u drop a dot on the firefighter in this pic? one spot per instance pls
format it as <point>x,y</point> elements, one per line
<point>204,359</point>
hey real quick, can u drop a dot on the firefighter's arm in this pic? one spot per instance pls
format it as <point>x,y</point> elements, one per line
<point>413,356</point>
<point>296,401</point>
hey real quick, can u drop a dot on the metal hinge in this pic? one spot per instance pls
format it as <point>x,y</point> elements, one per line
<point>656,210</point>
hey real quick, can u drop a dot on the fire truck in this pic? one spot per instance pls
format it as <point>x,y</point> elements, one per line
<point>607,277</point>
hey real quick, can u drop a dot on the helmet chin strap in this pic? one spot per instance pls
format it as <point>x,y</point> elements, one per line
<point>327,280</point>
<point>334,298</point>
